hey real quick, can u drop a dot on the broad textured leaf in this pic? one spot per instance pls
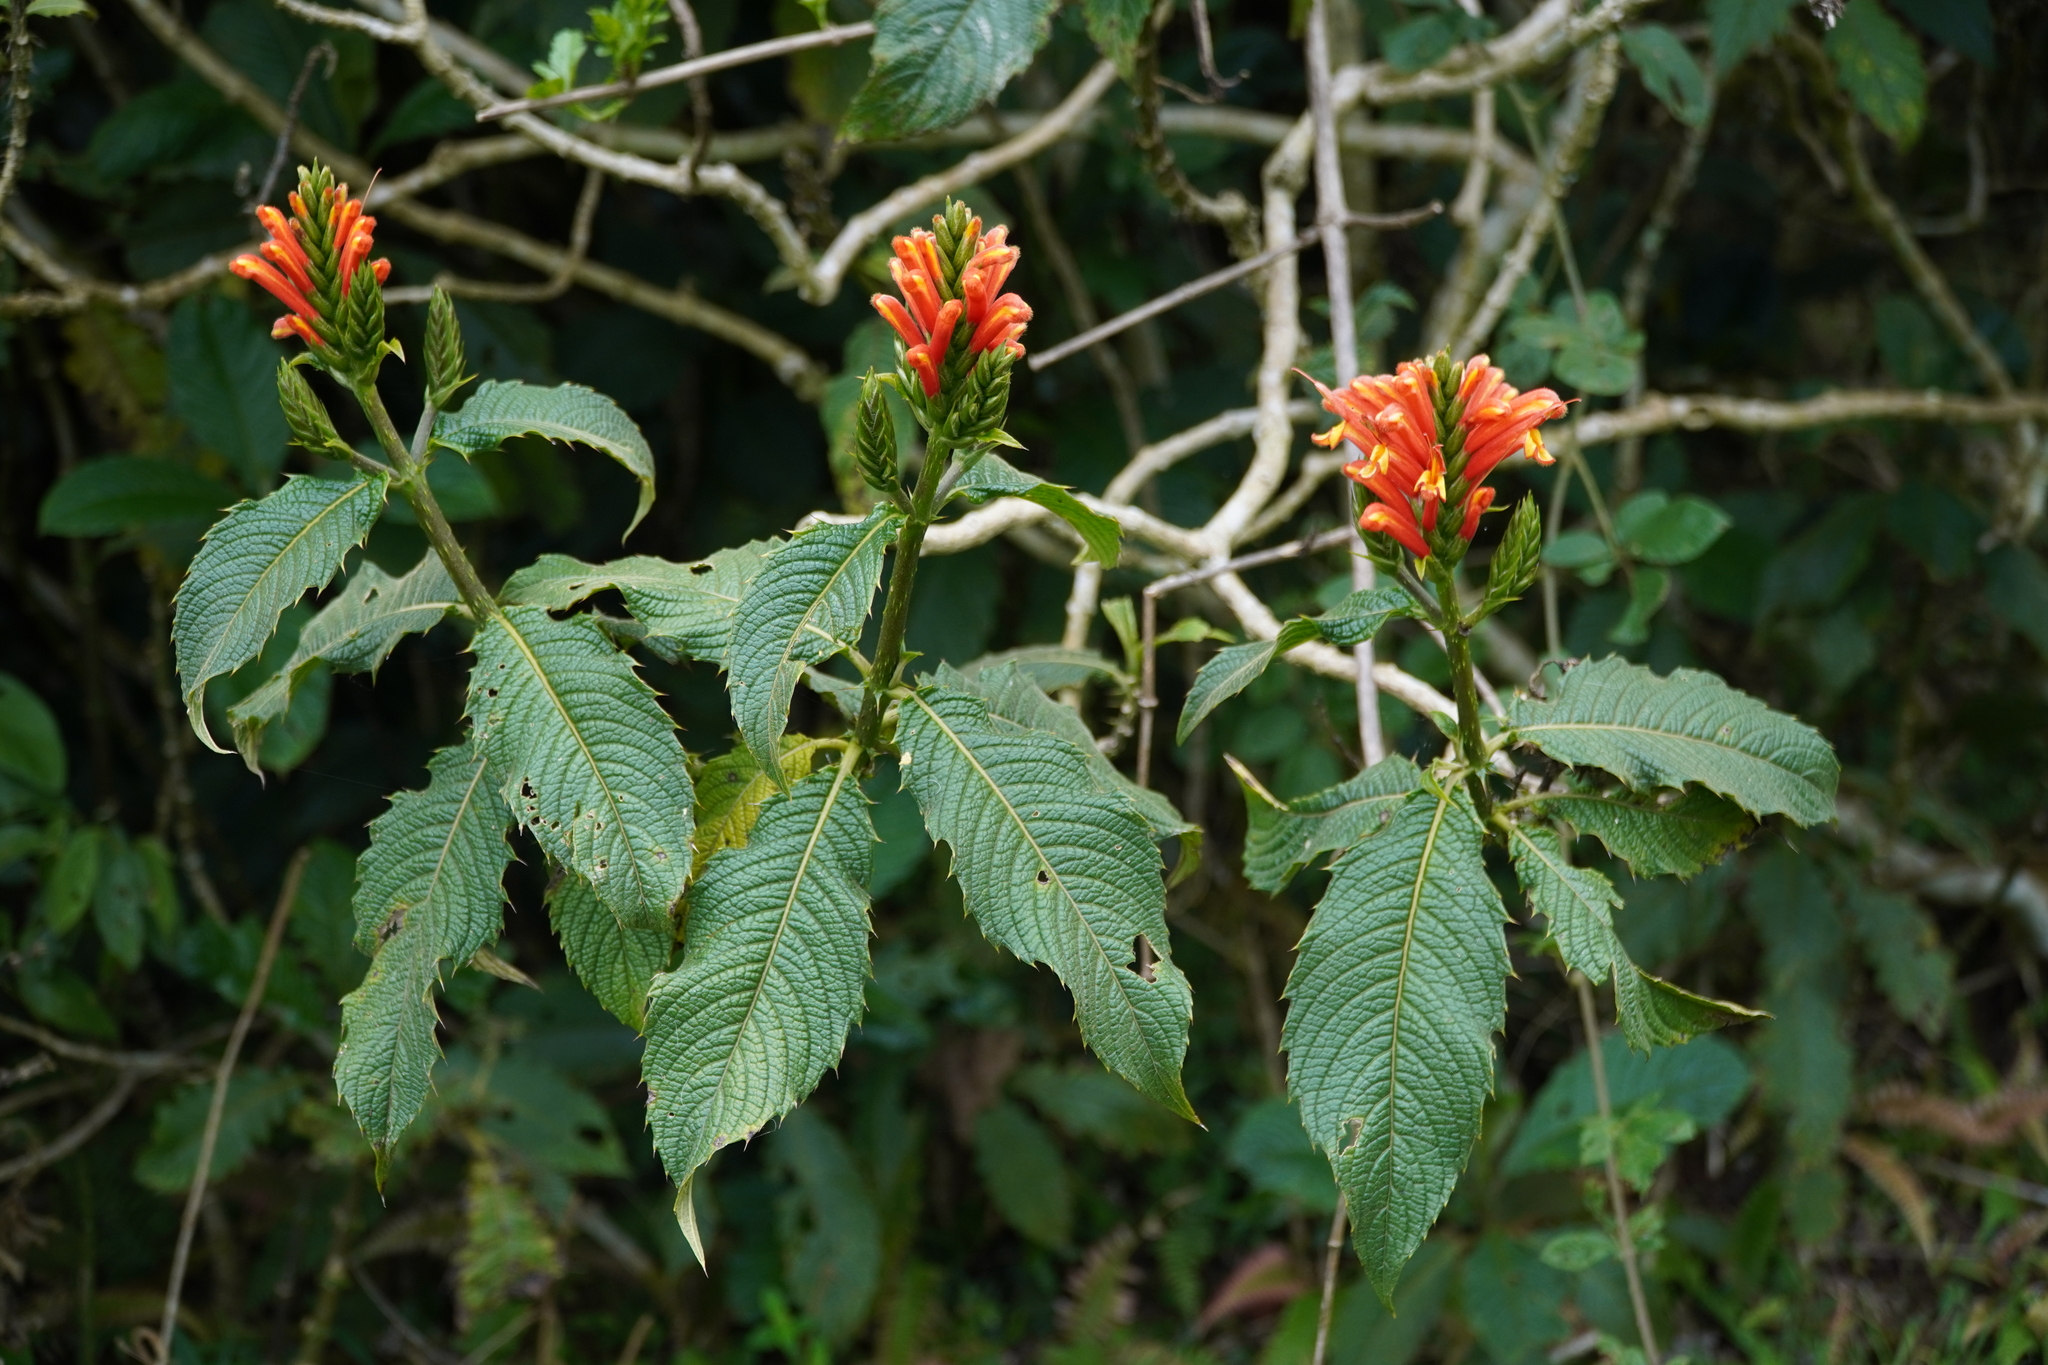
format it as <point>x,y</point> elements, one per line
<point>223,383</point>
<point>1657,838</point>
<point>354,633</point>
<point>1879,65</point>
<point>1230,671</point>
<point>1013,696</point>
<point>1397,990</point>
<point>808,602</point>
<point>497,412</point>
<point>1362,615</point>
<point>1704,1080</point>
<point>1689,727</point>
<point>774,966</point>
<point>1282,838</point>
<point>1739,27</point>
<point>1668,71</point>
<point>1057,871</point>
<point>103,497</point>
<point>994,477</point>
<point>507,1247</point>
<point>616,959</point>
<point>1904,948</point>
<point>730,790</point>
<point>586,758</point>
<point>1351,622</point>
<point>256,561</point>
<point>687,608</point>
<point>1578,905</point>
<point>256,1100</point>
<point>937,61</point>
<point>1114,26</point>
<point>427,892</point>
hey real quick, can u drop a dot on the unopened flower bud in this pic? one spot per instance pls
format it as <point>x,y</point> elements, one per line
<point>304,413</point>
<point>984,396</point>
<point>874,437</point>
<point>444,349</point>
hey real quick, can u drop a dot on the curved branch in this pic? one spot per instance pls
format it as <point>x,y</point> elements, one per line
<point>77,1136</point>
<point>1550,31</point>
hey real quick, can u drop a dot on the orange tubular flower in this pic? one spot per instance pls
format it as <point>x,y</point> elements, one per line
<point>926,317</point>
<point>1394,420</point>
<point>311,283</point>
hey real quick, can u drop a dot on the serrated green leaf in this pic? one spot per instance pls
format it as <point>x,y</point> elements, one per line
<point>772,976</point>
<point>1656,732</point>
<point>507,1247</point>
<point>1397,990</point>
<point>616,959</point>
<point>1056,871</point>
<point>1578,906</point>
<point>1740,27</point>
<point>256,1100</point>
<point>937,61</point>
<point>584,755</point>
<point>257,560</point>
<point>428,891</point>
<point>1052,667</point>
<point>687,608</point>
<point>807,603</point>
<point>1282,838</point>
<point>1669,72</point>
<point>1903,945</point>
<point>223,384</point>
<point>730,790</point>
<point>1013,696</point>
<point>497,412</point>
<point>355,633</point>
<point>991,476</point>
<point>1658,838</point>
<point>1351,622</point>
<point>105,497</point>
<point>1228,672</point>
<point>1114,26</point>
<point>1879,65</point>
<point>1361,615</point>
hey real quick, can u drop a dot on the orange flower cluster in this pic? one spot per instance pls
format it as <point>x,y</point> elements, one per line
<point>1414,466</point>
<point>285,269</point>
<point>925,316</point>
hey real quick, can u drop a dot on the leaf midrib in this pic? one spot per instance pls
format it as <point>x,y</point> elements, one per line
<point>205,671</point>
<point>807,621</point>
<point>596,772</point>
<point>1422,864</point>
<point>1614,727</point>
<point>462,808</point>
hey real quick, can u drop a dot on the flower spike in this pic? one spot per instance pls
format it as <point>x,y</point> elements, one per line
<point>311,262</point>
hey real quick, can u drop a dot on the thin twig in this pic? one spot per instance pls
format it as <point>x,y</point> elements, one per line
<point>287,894</point>
<point>684,71</point>
<point>401,1324</point>
<point>318,1324</point>
<point>629,1354</point>
<point>1208,284</point>
<point>19,96</point>
<point>1333,1252</point>
<point>320,51</point>
<point>1617,1197</point>
<point>553,287</point>
<point>78,1135</point>
<point>700,89</point>
<point>142,1063</point>
<point>1205,54</point>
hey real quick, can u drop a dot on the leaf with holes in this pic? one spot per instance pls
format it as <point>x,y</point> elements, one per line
<point>616,959</point>
<point>1578,905</point>
<point>807,603</point>
<point>584,755</point>
<point>427,892</point>
<point>1283,837</point>
<point>687,608</point>
<point>937,61</point>
<point>354,633</point>
<point>1397,991</point>
<point>1657,838</point>
<point>1656,732</point>
<point>991,476</point>
<point>1057,871</point>
<point>497,412</point>
<point>256,561</point>
<point>772,975</point>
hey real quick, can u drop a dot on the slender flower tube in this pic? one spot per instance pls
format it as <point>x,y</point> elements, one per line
<point>311,259</point>
<point>1424,448</point>
<point>936,301</point>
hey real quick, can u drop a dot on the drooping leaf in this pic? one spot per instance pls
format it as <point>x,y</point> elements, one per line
<point>1282,838</point>
<point>687,608</point>
<point>807,602</point>
<point>773,970</point>
<point>1024,1174</point>
<point>1578,905</point>
<point>256,561</point>
<point>497,412</point>
<point>1114,27</point>
<point>1658,838</point>
<point>1879,64</point>
<point>1228,672</point>
<point>1656,732</point>
<point>1740,27</point>
<point>108,496</point>
<point>257,1098</point>
<point>1351,622</point>
<point>937,61</point>
<point>427,892</point>
<point>1056,871</point>
<point>991,476</point>
<point>1668,71</point>
<point>584,755</point>
<point>223,385</point>
<point>616,959</point>
<point>1397,990</point>
<point>507,1246</point>
<point>355,633</point>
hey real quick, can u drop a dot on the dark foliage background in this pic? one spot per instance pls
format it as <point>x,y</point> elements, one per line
<point>1871,1166</point>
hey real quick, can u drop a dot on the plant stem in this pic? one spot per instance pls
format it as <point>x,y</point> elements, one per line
<point>1617,1197</point>
<point>1331,1254</point>
<point>902,579</point>
<point>411,481</point>
<point>1458,650</point>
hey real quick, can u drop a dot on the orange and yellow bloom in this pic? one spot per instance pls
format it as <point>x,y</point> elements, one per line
<point>931,308</point>
<point>1415,463</point>
<point>309,257</point>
